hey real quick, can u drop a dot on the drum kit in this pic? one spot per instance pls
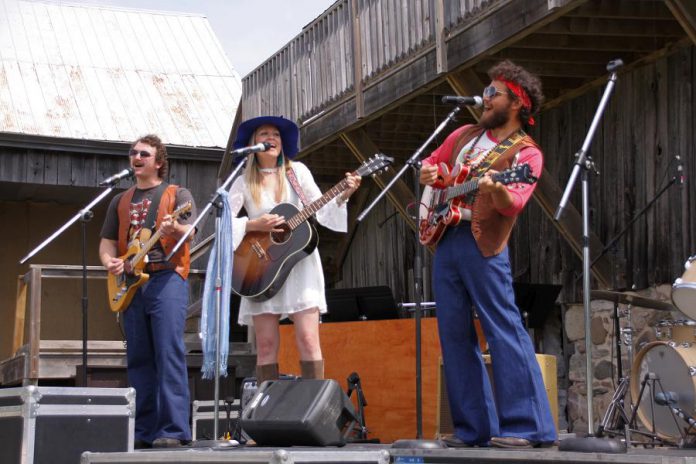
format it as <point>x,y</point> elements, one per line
<point>662,381</point>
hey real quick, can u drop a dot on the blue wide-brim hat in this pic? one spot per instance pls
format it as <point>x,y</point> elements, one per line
<point>289,133</point>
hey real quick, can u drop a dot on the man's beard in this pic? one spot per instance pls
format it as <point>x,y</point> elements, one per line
<point>498,118</point>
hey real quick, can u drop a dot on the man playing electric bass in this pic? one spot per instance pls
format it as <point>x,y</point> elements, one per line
<point>154,319</point>
<point>471,270</point>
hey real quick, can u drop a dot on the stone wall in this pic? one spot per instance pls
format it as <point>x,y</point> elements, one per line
<point>642,321</point>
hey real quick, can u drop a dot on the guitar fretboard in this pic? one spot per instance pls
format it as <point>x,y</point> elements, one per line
<point>462,189</point>
<point>317,204</point>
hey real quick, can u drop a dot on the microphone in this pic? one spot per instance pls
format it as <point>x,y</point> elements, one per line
<point>474,101</point>
<point>680,170</point>
<point>263,146</point>
<point>117,177</point>
<point>666,398</point>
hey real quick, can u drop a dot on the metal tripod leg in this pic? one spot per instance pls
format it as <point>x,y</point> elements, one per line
<point>615,418</point>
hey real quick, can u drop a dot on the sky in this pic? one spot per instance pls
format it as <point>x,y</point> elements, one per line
<point>250,31</point>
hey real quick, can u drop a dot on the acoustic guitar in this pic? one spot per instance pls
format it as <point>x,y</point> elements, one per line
<point>263,260</point>
<point>122,287</point>
<point>440,207</point>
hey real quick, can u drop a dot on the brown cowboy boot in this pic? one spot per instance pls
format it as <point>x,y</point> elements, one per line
<point>312,369</point>
<point>266,372</point>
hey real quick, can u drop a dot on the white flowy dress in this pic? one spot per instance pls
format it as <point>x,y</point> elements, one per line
<point>304,287</point>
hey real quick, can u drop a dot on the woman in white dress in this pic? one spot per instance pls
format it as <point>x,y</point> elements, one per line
<point>263,186</point>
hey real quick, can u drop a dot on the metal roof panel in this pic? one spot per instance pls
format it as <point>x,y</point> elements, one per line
<point>101,73</point>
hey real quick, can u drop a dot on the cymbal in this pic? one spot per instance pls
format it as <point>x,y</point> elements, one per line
<point>635,300</point>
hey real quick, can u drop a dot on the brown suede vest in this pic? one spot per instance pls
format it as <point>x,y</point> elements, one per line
<point>182,258</point>
<point>491,229</point>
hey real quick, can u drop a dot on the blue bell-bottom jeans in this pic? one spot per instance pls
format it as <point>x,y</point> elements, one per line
<point>463,279</point>
<point>154,326</point>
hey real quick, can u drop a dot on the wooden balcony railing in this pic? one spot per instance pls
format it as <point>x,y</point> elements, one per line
<point>349,45</point>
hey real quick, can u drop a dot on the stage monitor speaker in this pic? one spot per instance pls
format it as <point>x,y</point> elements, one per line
<point>305,412</point>
<point>547,364</point>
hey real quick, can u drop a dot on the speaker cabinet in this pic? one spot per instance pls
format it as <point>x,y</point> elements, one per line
<point>547,364</point>
<point>299,412</point>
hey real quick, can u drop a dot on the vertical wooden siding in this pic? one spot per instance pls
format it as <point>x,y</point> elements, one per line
<point>317,67</point>
<point>648,121</point>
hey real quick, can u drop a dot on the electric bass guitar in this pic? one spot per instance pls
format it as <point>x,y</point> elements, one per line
<point>263,260</point>
<point>122,287</point>
<point>440,207</point>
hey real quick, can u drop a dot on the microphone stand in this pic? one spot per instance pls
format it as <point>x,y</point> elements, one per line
<point>214,202</point>
<point>675,179</point>
<point>84,215</point>
<point>414,162</point>
<point>584,163</point>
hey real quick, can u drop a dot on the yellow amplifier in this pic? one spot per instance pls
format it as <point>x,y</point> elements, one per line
<point>547,364</point>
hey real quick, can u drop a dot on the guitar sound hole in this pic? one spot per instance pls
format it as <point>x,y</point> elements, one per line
<point>283,236</point>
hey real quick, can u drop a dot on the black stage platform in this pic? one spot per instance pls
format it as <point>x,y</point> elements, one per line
<point>384,454</point>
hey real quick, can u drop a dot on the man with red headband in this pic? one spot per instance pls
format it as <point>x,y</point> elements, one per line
<point>471,272</point>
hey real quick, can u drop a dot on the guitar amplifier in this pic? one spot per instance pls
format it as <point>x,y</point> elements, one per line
<point>547,364</point>
<point>42,425</point>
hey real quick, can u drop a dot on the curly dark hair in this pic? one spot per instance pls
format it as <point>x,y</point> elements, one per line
<point>528,81</point>
<point>161,155</point>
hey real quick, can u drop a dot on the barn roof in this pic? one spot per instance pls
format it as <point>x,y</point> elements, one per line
<point>112,74</point>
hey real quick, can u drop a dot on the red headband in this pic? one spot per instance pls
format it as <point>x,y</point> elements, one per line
<point>520,93</point>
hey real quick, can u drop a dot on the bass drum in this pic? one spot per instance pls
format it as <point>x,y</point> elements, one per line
<point>684,289</point>
<point>674,367</point>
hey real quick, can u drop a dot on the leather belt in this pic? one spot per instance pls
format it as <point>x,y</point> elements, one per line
<point>157,267</point>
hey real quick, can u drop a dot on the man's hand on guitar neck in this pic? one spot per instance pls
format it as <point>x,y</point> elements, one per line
<point>499,193</point>
<point>171,228</point>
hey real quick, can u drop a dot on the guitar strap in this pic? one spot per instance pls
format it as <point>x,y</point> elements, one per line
<point>496,152</point>
<point>151,217</point>
<point>290,173</point>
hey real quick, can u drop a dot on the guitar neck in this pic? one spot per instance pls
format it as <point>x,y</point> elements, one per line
<point>146,247</point>
<point>462,189</point>
<point>317,204</point>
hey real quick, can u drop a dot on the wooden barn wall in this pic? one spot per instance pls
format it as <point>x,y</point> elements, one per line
<point>30,222</point>
<point>649,120</point>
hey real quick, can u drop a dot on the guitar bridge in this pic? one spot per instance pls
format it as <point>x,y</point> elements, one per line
<point>258,249</point>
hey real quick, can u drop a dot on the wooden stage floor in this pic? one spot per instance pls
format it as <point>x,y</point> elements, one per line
<point>384,454</point>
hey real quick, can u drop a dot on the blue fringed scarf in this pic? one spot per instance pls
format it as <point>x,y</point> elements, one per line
<point>209,341</point>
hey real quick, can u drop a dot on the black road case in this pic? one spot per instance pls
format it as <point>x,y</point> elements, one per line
<point>41,425</point>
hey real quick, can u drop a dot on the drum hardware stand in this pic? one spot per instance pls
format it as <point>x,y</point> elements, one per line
<point>653,379</point>
<point>583,165</point>
<point>670,399</point>
<point>615,421</point>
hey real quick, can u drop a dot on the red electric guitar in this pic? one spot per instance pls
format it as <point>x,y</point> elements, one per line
<point>440,207</point>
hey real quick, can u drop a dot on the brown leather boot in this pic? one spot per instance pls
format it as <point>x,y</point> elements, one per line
<point>312,369</point>
<point>266,372</point>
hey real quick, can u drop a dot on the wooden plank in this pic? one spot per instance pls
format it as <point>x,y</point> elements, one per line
<point>34,283</point>
<point>465,83</point>
<point>512,22</point>
<point>345,345</point>
<point>357,204</point>
<point>362,147</point>
<point>357,62</point>
<point>20,315</point>
<point>548,194</point>
<point>440,44</point>
<point>685,12</point>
